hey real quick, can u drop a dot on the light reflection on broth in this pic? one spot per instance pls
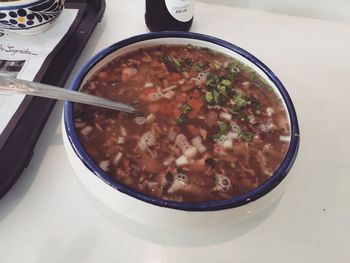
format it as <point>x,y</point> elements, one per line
<point>211,128</point>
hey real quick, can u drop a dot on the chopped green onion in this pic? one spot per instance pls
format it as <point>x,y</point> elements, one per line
<point>226,82</point>
<point>269,89</point>
<point>215,65</point>
<point>209,51</point>
<point>224,130</point>
<point>243,116</point>
<point>212,80</point>
<point>248,136</point>
<point>186,108</point>
<point>240,99</point>
<point>216,96</point>
<point>181,120</point>
<point>222,90</point>
<point>209,97</point>
<point>172,63</point>
<point>176,62</point>
<point>197,67</point>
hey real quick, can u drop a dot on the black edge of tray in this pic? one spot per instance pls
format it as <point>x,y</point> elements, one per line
<point>18,149</point>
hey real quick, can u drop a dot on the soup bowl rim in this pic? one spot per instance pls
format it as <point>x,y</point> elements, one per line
<point>235,201</point>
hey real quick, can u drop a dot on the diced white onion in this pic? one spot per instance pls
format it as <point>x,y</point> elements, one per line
<point>121,140</point>
<point>151,118</point>
<point>79,124</point>
<point>123,131</point>
<point>86,130</point>
<point>190,152</point>
<point>148,85</point>
<point>177,184</point>
<point>185,74</point>
<point>232,135</point>
<point>168,161</point>
<point>170,88</point>
<point>117,159</point>
<point>246,84</point>
<point>181,81</point>
<point>197,142</point>
<point>172,135</point>
<point>181,161</point>
<point>169,95</point>
<point>285,138</point>
<point>269,111</point>
<point>104,165</point>
<point>225,116</point>
<point>225,142</point>
<point>201,148</point>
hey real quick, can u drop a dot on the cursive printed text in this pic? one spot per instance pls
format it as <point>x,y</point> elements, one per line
<point>12,50</point>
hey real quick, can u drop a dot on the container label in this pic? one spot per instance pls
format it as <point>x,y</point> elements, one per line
<point>181,10</point>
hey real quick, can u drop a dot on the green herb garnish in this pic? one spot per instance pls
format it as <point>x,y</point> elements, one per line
<point>212,80</point>
<point>186,108</point>
<point>215,65</point>
<point>181,120</point>
<point>216,97</point>
<point>209,51</point>
<point>209,99</point>
<point>243,116</point>
<point>226,82</point>
<point>247,136</point>
<point>172,63</point>
<point>224,130</point>
<point>197,67</point>
<point>240,99</point>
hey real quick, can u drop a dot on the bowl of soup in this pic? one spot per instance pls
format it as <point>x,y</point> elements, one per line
<point>29,17</point>
<point>214,138</point>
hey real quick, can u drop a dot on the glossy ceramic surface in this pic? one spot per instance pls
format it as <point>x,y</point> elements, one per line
<point>29,17</point>
<point>180,38</point>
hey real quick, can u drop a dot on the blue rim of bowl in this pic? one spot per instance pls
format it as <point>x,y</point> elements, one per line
<point>236,201</point>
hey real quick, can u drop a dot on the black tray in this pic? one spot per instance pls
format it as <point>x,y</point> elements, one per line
<point>23,131</point>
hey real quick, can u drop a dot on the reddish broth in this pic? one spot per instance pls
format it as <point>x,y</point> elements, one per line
<point>210,129</point>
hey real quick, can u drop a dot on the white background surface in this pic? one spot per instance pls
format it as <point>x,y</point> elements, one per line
<point>336,10</point>
<point>49,217</point>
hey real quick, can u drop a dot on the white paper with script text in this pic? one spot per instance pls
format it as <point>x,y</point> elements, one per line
<point>23,56</point>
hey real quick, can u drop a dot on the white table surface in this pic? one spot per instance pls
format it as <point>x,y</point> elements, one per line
<point>49,217</point>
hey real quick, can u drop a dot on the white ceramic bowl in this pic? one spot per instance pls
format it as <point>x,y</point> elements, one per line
<point>154,211</point>
<point>29,17</point>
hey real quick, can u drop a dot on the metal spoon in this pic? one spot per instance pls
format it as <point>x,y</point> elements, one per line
<point>11,85</point>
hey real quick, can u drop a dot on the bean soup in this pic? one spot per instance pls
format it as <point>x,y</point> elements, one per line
<point>209,127</point>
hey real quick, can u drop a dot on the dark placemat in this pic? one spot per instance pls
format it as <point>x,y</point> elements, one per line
<point>26,125</point>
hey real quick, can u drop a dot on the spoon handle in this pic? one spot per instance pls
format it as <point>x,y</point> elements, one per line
<point>11,85</point>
